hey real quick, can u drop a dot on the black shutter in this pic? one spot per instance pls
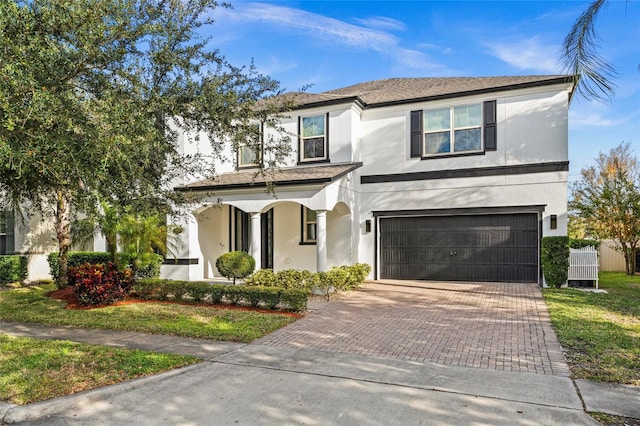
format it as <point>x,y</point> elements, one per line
<point>326,135</point>
<point>490,142</point>
<point>416,133</point>
<point>299,139</point>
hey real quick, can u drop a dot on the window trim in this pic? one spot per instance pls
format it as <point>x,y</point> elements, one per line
<point>303,227</point>
<point>301,139</point>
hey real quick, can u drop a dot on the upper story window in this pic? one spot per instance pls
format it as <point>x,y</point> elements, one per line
<point>313,138</point>
<point>249,153</point>
<point>247,156</point>
<point>465,129</point>
<point>456,129</point>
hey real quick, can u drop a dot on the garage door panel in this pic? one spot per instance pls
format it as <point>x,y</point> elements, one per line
<point>461,248</point>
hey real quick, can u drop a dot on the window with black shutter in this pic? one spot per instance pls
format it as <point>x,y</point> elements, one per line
<point>456,130</point>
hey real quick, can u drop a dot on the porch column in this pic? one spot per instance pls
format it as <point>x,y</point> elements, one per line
<point>255,250</point>
<point>321,240</point>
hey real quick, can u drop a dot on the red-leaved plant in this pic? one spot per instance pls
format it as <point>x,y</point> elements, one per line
<point>101,284</point>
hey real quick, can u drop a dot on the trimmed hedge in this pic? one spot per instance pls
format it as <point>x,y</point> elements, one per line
<point>555,260</point>
<point>13,268</point>
<point>338,278</point>
<point>197,291</point>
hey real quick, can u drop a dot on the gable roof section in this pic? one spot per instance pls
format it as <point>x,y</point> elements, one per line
<point>394,91</point>
<point>300,175</point>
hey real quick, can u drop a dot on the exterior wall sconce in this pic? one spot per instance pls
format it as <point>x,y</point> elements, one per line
<point>553,221</point>
<point>367,225</point>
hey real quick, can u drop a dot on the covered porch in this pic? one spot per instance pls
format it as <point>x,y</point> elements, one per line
<point>298,218</point>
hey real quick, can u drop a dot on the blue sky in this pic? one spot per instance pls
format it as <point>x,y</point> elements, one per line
<point>333,44</point>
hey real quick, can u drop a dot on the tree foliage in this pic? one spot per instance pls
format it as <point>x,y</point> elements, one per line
<point>91,95</point>
<point>581,57</point>
<point>607,198</point>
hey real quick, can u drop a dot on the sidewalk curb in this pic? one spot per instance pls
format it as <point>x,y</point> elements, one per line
<point>43,409</point>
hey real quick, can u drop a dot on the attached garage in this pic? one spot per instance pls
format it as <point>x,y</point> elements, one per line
<point>502,247</point>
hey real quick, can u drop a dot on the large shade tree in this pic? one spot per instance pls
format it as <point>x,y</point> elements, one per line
<point>607,199</point>
<point>91,93</point>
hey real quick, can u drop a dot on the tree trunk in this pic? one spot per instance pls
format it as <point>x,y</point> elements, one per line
<point>630,260</point>
<point>63,235</point>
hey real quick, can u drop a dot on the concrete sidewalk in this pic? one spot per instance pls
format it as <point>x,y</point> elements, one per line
<point>304,386</point>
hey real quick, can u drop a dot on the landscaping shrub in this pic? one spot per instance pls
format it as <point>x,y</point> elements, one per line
<point>293,278</point>
<point>555,260</point>
<point>198,291</point>
<point>148,265</point>
<point>340,278</point>
<point>267,297</point>
<point>13,268</point>
<point>235,264</point>
<point>235,295</point>
<point>271,297</point>
<point>294,299</point>
<point>100,284</point>
<point>360,272</point>
<point>578,244</point>
<point>287,278</point>
<point>262,277</point>
<point>76,258</point>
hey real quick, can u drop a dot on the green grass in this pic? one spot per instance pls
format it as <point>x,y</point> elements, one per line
<point>31,305</point>
<point>600,332</point>
<point>34,370</point>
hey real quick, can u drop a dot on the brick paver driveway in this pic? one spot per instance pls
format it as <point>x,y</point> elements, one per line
<point>502,326</point>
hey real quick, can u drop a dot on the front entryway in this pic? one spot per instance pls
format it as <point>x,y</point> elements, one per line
<point>487,248</point>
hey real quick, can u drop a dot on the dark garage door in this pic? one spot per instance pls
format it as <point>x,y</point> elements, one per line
<point>493,247</point>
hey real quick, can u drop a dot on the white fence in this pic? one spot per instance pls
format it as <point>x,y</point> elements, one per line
<point>583,264</point>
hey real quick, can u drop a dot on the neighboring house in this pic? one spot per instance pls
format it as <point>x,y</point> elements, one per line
<point>422,178</point>
<point>29,236</point>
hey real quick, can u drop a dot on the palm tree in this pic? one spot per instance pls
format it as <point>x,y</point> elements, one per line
<point>143,236</point>
<point>581,58</point>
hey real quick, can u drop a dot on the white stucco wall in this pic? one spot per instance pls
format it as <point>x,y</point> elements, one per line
<point>531,128</point>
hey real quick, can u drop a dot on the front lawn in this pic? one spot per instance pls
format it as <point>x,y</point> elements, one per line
<point>33,370</point>
<point>31,305</point>
<point>600,332</point>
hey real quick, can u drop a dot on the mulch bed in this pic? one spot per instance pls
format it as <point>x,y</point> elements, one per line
<point>67,296</point>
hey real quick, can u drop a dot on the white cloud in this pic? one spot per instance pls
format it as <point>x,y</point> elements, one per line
<point>441,49</point>
<point>598,115</point>
<point>382,23</point>
<point>326,29</point>
<point>275,65</point>
<point>593,120</point>
<point>527,54</point>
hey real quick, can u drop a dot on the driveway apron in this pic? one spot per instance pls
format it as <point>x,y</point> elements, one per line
<point>502,326</point>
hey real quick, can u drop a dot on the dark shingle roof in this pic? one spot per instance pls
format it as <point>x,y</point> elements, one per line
<point>301,175</point>
<point>406,90</point>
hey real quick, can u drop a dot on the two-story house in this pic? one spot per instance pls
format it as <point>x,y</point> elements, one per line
<point>422,178</point>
